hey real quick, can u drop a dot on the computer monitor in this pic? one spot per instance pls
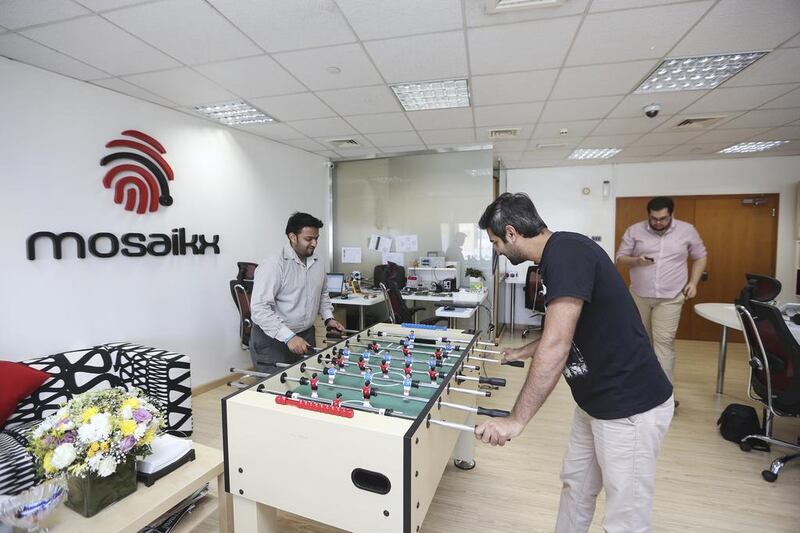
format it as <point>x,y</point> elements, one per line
<point>334,284</point>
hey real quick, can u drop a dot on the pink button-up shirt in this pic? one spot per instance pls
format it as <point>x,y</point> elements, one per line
<point>668,274</point>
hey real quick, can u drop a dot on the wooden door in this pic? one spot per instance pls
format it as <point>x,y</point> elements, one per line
<point>741,235</point>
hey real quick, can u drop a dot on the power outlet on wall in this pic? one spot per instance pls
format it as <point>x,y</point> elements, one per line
<point>596,238</point>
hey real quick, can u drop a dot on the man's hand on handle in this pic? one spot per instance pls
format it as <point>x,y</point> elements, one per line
<point>334,324</point>
<point>298,345</point>
<point>497,431</point>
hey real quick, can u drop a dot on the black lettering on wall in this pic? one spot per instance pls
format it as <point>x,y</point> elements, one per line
<point>56,239</point>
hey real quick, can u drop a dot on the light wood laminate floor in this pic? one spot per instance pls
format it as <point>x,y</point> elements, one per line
<point>704,483</point>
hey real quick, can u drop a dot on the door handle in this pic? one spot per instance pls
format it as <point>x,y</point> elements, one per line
<point>704,277</point>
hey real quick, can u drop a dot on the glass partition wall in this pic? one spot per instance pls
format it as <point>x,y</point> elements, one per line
<point>438,198</point>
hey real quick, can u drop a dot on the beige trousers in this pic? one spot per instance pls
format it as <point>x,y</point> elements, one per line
<point>661,317</point>
<point>618,456</point>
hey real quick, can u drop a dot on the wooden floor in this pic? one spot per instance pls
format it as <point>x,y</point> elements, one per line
<point>704,483</point>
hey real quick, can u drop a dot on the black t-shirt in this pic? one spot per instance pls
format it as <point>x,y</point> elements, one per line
<point>612,369</point>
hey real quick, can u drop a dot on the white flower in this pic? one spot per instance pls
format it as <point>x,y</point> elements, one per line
<point>98,428</point>
<point>63,456</point>
<point>140,430</point>
<point>126,412</point>
<point>106,466</point>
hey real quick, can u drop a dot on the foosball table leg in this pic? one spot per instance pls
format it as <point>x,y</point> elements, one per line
<point>464,451</point>
<point>253,517</point>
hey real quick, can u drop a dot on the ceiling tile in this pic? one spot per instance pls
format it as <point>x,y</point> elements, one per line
<point>434,119</point>
<point>785,133</point>
<point>294,106</point>
<point>358,153</point>
<point>278,25</point>
<point>575,128</point>
<point>477,15</point>
<point>482,135</point>
<point>678,137</point>
<point>633,34</point>
<point>728,137</point>
<point>361,100</point>
<point>510,114</point>
<point>379,19</point>
<point>327,153</point>
<point>105,5</point>
<point>252,77</point>
<point>424,57</point>
<point>791,99</point>
<point>642,151</point>
<point>672,122</point>
<point>601,80</point>
<point>737,98</point>
<point>696,147</point>
<point>609,141</point>
<point>181,85</point>
<point>512,147</point>
<point>580,109</point>
<point>671,103</point>
<point>764,118</point>
<point>15,14</point>
<point>455,136</point>
<point>399,138</point>
<point>792,43</point>
<point>121,86</point>
<point>22,49</point>
<point>403,149</point>
<point>740,26</point>
<point>524,46</point>
<point>511,88</point>
<point>309,66</point>
<point>189,30</point>
<point>612,126</point>
<point>552,154</point>
<point>305,144</point>
<point>275,130</point>
<point>779,66</point>
<point>616,5</point>
<point>102,45</point>
<point>380,122</point>
<point>323,127</point>
<point>552,143</point>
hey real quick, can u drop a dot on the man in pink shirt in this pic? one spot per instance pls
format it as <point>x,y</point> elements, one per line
<point>657,250</point>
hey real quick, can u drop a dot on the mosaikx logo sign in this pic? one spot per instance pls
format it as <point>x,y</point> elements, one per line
<point>140,178</point>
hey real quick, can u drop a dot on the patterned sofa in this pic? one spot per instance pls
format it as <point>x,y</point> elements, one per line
<point>163,375</point>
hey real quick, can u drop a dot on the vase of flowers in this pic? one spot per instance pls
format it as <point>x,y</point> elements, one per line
<point>475,279</point>
<point>94,439</point>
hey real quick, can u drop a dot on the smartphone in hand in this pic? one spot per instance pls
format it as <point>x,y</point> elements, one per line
<point>650,259</point>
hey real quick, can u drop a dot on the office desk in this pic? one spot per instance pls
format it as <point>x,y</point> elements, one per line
<point>725,315</point>
<point>458,312</point>
<point>460,297</point>
<point>362,301</point>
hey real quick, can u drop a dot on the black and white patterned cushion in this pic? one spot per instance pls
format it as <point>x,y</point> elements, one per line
<point>17,469</point>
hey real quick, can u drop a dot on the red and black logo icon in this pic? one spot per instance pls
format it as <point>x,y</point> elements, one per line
<point>143,184</point>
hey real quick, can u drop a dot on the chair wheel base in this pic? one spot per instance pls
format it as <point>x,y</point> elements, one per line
<point>463,464</point>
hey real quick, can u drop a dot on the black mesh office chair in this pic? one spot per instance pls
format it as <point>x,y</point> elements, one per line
<point>247,270</point>
<point>759,288</point>
<point>774,377</point>
<point>400,313</point>
<point>534,298</point>
<point>241,291</point>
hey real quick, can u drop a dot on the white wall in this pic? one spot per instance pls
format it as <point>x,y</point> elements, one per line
<point>227,182</point>
<point>556,192</point>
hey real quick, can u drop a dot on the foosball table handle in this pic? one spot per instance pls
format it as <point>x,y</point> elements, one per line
<point>497,382</point>
<point>492,412</point>
<point>518,364</point>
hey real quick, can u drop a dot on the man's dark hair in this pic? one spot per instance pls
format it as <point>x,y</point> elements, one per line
<point>661,202</point>
<point>298,221</point>
<point>515,210</point>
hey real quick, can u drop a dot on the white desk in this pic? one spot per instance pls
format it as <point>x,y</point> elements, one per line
<point>458,297</point>
<point>362,301</point>
<point>725,315</point>
<point>458,312</point>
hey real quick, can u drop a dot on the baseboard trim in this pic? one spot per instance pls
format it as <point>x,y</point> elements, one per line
<point>205,387</point>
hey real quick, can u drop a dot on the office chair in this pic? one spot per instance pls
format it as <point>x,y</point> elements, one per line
<point>247,271</point>
<point>534,298</point>
<point>389,274</point>
<point>241,291</point>
<point>399,312</point>
<point>774,380</point>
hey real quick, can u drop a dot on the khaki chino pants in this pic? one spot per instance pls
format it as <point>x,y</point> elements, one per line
<point>618,456</point>
<point>661,317</point>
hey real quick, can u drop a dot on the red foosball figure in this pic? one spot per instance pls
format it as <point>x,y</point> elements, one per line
<point>340,360</point>
<point>366,390</point>
<point>362,365</point>
<point>385,368</point>
<point>314,382</point>
<point>407,370</point>
<point>375,347</point>
<point>406,351</point>
<point>433,374</point>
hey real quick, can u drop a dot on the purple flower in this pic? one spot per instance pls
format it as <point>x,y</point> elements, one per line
<point>49,441</point>
<point>69,436</point>
<point>142,415</point>
<point>127,443</point>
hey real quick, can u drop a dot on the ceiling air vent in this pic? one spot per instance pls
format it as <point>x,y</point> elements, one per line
<point>501,6</point>
<point>508,133</point>
<point>344,143</point>
<point>697,123</point>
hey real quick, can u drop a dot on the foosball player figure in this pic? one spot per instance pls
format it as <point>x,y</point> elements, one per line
<point>411,336</point>
<point>366,355</point>
<point>331,373</point>
<point>340,360</point>
<point>375,347</point>
<point>433,374</point>
<point>448,348</point>
<point>407,370</point>
<point>337,402</point>
<point>405,343</point>
<point>362,365</point>
<point>387,357</point>
<point>385,368</point>
<point>407,385</point>
<point>408,359</point>
<point>314,382</point>
<point>346,353</point>
<point>439,356</point>
<point>366,390</point>
<point>368,375</point>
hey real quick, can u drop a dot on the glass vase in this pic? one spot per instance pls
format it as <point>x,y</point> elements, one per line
<point>91,494</point>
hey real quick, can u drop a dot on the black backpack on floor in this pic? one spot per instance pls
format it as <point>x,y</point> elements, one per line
<point>738,421</point>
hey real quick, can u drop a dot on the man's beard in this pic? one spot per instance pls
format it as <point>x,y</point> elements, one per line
<point>662,229</point>
<point>514,256</point>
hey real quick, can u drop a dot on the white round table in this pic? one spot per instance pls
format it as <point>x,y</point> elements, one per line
<point>724,315</point>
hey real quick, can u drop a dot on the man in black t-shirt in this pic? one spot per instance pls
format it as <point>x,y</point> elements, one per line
<point>594,336</point>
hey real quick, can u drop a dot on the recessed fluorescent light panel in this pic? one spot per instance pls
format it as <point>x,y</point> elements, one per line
<point>233,113</point>
<point>433,94</point>
<point>696,73</point>
<point>747,147</point>
<point>594,153</point>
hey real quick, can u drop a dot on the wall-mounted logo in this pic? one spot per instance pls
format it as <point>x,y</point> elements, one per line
<point>144,184</point>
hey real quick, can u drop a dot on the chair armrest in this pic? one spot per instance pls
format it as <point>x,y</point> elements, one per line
<point>164,376</point>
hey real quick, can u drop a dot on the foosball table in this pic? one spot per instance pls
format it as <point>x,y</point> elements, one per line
<point>358,435</point>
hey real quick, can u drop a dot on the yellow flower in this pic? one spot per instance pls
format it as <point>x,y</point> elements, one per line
<point>127,427</point>
<point>133,403</point>
<point>89,413</point>
<point>148,436</point>
<point>93,449</point>
<point>104,446</point>
<point>48,465</point>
